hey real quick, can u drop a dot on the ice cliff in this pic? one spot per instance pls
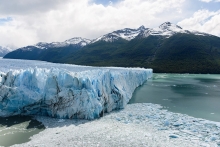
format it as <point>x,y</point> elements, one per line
<point>65,91</point>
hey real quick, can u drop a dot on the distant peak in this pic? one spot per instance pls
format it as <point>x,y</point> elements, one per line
<point>167,25</point>
<point>78,39</point>
<point>141,28</point>
<point>41,43</point>
<point>75,38</point>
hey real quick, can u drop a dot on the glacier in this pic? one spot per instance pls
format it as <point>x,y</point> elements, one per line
<point>65,91</point>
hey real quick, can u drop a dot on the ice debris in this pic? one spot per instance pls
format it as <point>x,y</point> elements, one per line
<point>130,127</point>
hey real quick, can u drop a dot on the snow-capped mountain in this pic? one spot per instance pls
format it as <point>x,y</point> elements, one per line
<point>166,29</point>
<point>166,48</point>
<point>127,34</point>
<point>4,50</point>
<point>78,41</point>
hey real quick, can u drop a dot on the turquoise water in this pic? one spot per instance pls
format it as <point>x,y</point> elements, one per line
<point>18,129</point>
<point>197,95</point>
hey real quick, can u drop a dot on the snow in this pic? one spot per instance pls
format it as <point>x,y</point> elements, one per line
<point>166,29</point>
<point>65,91</point>
<point>78,40</point>
<point>136,125</point>
<point>127,34</point>
<point>73,41</point>
<point>199,33</point>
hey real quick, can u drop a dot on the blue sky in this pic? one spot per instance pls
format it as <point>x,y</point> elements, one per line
<point>105,2</point>
<point>196,5</point>
<point>5,20</point>
<point>191,4</point>
<point>25,22</point>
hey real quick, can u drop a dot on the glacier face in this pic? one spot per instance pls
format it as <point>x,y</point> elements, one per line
<point>65,91</point>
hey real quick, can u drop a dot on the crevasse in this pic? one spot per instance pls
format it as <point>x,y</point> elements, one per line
<point>67,93</point>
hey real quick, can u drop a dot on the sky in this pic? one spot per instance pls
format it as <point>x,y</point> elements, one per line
<point>27,22</point>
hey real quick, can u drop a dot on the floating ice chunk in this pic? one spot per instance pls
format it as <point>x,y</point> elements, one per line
<point>166,123</point>
<point>213,138</point>
<point>173,136</point>
<point>61,120</point>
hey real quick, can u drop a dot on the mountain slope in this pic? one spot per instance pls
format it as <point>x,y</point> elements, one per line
<point>180,53</point>
<point>126,34</point>
<point>49,51</point>
<point>168,48</point>
<point>188,53</point>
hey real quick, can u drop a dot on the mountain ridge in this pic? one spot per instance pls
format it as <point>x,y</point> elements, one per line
<point>167,48</point>
<point>166,29</point>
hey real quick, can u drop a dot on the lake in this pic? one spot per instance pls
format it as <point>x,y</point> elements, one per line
<point>197,95</point>
<point>18,129</point>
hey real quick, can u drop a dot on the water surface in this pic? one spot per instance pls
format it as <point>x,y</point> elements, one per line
<point>18,129</point>
<point>197,95</point>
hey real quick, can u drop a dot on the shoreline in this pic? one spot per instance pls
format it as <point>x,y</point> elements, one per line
<point>141,124</point>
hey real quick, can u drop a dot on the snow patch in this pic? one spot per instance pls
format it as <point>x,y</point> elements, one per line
<point>166,29</point>
<point>78,41</point>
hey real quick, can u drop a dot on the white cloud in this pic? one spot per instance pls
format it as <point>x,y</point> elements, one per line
<point>207,1</point>
<point>203,21</point>
<point>57,20</point>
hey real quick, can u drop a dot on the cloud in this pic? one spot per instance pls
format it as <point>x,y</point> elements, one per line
<point>25,22</point>
<point>4,20</point>
<point>25,7</point>
<point>105,2</point>
<point>207,1</point>
<point>58,20</point>
<point>203,21</point>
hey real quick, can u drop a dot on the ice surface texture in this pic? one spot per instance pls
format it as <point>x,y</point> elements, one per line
<point>138,125</point>
<point>65,91</point>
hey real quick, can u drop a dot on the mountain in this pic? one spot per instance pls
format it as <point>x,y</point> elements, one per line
<point>126,34</point>
<point>167,48</point>
<point>166,29</point>
<point>55,50</point>
<point>4,50</point>
<point>77,41</point>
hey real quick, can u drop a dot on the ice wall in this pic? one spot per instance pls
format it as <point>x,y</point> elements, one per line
<point>63,93</point>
